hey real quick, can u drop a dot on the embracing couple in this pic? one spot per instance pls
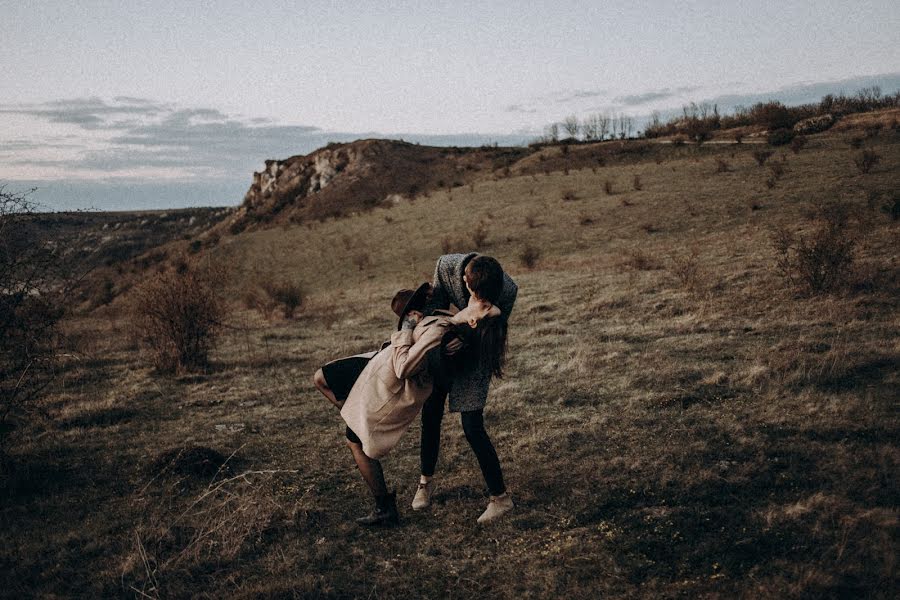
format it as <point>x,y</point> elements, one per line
<point>434,353</point>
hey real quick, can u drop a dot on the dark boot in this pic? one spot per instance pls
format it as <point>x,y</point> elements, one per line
<point>385,513</point>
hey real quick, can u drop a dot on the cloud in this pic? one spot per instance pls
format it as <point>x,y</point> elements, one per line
<point>653,96</point>
<point>88,113</point>
<point>580,95</point>
<point>518,108</point>
<point>638,99</point>
<point>128,135</point>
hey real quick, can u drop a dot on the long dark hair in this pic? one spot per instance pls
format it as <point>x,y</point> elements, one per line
<point>484,346</point>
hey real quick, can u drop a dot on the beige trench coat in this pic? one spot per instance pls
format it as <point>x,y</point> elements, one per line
<point>391,390</point>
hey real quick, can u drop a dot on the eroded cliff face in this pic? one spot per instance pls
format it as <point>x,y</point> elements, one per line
<point>291,180</point>
<point>343,178</point>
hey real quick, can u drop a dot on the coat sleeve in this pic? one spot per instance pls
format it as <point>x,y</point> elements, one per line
<point>408,355</point>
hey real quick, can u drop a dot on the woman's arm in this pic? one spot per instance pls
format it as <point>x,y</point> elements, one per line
<point>408,354</point>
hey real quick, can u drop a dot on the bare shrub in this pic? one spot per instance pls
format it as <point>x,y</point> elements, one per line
<point>451,245</point>
<point>287,294</point>
<point>36,287</point>
<point>641,260</point>
<point>103,293</point>
<point>892,208</point>
<point>479,235</point>
<point>761,156</point>
<point>873,130</point>
<point>529,256</point>
<point>866,161</point>
<point>687,270</point>
<point>362,260</point>
<point>781,137</point>
<point>722,165</point>
<point>777,169</point>
<point>177,317</point>
<point>822,260</point>
<point>799,143</point>
<point>569,195</point>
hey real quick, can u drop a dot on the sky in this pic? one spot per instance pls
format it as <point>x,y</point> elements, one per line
<point>129,105</point>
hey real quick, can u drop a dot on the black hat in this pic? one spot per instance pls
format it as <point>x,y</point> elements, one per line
<point>407,300</point>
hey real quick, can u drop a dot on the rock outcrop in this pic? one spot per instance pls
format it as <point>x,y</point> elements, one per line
<point>814,124</point>
<point>342,178</point>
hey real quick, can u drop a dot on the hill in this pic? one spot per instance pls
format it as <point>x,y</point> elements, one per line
<point>343,178</point>
<point>678,418</point>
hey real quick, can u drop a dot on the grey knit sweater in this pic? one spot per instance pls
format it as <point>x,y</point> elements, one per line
<point>468,390</point>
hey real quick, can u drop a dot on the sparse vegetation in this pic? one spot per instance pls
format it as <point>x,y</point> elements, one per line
<point>781,137</point>
<point>761,156</point>
<point>479,236</point>
<point>176,318</point>
<point>696,430</point>
<point>866,161</point>
<point>798,143</point>
<point>820,261</point>
<point>687,270</point>
<point>608,187</point>
<point>529,256</point>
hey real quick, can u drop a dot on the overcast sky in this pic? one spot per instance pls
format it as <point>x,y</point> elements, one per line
<point>137,104</point>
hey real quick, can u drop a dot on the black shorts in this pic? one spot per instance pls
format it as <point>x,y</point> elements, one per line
<point>341,374</point>
<point>353,437</point>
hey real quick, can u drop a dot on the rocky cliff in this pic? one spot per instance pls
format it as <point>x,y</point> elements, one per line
<point>343,178</point>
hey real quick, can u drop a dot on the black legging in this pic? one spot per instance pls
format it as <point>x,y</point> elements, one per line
<point>473,426</point>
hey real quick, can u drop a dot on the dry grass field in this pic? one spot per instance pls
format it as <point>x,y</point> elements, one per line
<point>677,419</point>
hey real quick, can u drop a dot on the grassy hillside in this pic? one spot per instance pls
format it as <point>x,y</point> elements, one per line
<point>677,420</point>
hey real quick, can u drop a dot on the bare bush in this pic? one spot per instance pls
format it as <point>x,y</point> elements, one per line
<point>362,260</point>
<point>687,270</point>
<point>176,317</point>
<point>866,161</point>
<point>479,236</point>
<point>529,256</point>
<point>761,156</point>
<point>640,260</point>
<point>799,143</point>
<point>287,294</point>
<point>35,289</point>
<point>777,169</point>
<point>822,260</point>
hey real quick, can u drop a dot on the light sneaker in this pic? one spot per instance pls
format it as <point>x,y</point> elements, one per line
<point>497,507</point>
<point>423,495</point>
